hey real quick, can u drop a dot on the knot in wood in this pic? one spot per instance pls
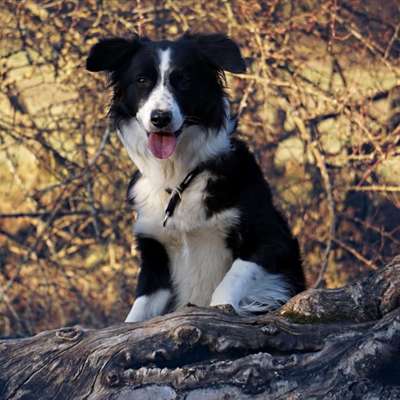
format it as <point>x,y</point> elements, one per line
<point>112,378</point>
<point>187,334</point>
<point>360,389</point>
<point>70,333</point>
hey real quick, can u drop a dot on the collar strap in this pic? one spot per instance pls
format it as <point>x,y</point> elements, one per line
<point>177,192</point>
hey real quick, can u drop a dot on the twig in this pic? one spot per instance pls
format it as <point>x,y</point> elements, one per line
<point>46,214</point>
<point>374,188</point>
<point>356,254</point>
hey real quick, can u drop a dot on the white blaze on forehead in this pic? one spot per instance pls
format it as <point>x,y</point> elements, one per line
<point>161,97</point>
<point>165,61</point>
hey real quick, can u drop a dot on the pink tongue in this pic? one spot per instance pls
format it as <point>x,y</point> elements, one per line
<point>162,145</point>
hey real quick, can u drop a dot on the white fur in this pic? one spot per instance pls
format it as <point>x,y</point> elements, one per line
<point>146,307</point>
<point>194,146</point>
<point>250,288</point>
<point>161,98</point>
<point>195,244</point>
<point>200,259</point>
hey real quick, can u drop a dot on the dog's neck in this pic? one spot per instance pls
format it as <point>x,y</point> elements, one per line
<point>195,146</point>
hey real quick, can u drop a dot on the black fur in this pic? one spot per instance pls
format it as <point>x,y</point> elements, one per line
<point>154,262</point>
<point>263,235</point>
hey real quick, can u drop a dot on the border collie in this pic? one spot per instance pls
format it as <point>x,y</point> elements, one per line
<point>207,231</point>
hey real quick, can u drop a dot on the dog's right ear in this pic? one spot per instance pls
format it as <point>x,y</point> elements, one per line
<point>108,54</point>
<point>219,50</point>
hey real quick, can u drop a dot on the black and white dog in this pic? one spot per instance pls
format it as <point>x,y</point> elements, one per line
<point>207,230</point>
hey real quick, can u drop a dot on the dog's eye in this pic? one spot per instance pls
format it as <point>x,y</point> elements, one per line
<point>181,80</point>
<point>143,80</point>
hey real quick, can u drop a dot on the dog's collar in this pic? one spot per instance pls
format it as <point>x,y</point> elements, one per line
<point>176,193</point>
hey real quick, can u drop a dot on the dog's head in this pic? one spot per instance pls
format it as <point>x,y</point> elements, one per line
<point>167,86</point>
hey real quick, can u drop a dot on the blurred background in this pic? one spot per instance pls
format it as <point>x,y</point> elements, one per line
<point>319,106</point>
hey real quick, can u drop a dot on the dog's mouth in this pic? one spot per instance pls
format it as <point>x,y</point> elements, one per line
<point>163,144</point>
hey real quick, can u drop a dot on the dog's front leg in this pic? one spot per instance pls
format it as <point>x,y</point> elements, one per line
<point>249,287</point>
<point>149,306</point>
<point>153,292</point>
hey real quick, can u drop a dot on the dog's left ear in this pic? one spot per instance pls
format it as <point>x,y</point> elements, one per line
<point>219,50</point>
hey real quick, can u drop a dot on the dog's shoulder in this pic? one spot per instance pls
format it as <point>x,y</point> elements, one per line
<point>234,175</point>
<point>238,163</point>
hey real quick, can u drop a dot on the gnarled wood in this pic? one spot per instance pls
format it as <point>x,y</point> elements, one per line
<point>326,344</point>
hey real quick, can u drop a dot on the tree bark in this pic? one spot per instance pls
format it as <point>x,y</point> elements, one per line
<point>323,344</point>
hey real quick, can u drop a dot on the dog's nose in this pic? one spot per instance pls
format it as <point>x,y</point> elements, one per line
<point>160,118</point>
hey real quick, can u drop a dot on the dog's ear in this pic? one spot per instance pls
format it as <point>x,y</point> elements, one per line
<point>108,54</point>
<point>219,50</point>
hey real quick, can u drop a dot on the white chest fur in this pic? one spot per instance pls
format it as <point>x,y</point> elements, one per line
<point>199,257</point>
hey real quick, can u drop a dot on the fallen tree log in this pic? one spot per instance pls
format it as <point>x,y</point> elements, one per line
<point>323,344</point>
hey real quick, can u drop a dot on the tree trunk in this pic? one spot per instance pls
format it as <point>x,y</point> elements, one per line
<point>323,344</point>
